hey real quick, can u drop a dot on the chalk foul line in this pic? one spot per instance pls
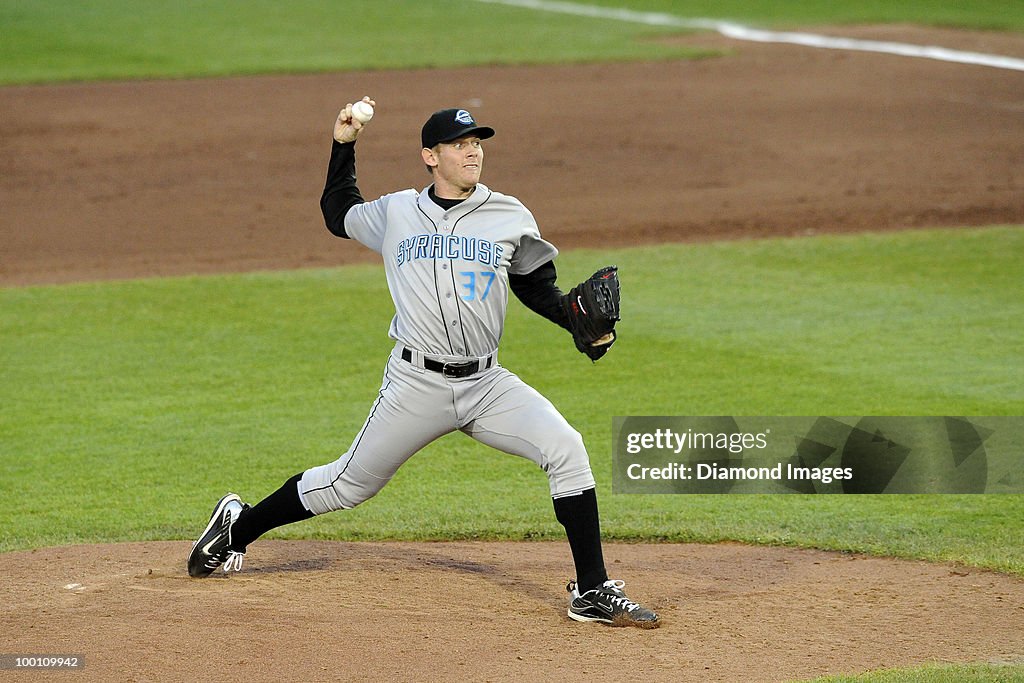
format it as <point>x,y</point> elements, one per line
<point>740,32</point>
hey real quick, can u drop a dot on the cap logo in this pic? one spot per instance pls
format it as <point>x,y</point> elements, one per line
<point>464,117</point>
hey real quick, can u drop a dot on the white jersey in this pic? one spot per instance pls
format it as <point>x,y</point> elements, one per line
<point>448,270</point>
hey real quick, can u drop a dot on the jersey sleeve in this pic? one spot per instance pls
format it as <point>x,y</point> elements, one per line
<point>367,222</point>
<point>533,250</point>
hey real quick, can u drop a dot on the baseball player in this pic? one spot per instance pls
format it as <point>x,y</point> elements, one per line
<point>451,253</point>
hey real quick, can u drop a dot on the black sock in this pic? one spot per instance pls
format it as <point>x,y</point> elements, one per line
<point>578,514</point>
<point>281,507</point>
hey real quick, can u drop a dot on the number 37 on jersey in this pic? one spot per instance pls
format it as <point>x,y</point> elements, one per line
<point>476,284</point>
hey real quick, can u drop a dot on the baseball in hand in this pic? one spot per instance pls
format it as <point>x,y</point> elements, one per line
<point>362,111</point>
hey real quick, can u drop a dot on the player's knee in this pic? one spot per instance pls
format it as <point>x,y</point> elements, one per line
<point>573,444</point>
<point>351,494</point>
<point>322,494</point>
<point>567,454</point>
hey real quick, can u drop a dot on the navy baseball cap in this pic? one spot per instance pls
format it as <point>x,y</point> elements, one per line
<point>449,124</point>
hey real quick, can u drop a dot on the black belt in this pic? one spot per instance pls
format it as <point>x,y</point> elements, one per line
<point>465,369</point>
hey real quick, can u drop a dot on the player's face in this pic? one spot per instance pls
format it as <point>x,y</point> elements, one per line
<point>458,166</point>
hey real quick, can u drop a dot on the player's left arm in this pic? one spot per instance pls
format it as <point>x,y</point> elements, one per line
<point>538,292</point>
<point>588,311</point>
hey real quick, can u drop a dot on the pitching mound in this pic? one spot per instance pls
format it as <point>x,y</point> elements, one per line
<point>496,611</point>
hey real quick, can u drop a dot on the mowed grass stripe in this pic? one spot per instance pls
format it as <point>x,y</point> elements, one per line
<point>51,41</point>
<point>982,14</point>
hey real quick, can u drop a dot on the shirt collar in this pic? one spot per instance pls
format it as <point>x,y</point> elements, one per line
<point>480,194</point>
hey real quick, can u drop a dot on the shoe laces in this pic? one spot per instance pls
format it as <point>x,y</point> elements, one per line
<point>617,597</point>
<point>233,561</point>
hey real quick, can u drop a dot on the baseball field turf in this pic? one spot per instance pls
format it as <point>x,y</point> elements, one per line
<point>130,392</point>
<point>128,382</point>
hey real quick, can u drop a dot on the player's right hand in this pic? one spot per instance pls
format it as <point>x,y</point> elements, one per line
<point>346,128</point>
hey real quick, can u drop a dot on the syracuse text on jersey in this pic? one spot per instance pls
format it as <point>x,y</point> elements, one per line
<point>436,246</point>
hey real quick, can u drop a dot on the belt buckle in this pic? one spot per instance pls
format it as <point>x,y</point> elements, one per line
<point>459,369</point>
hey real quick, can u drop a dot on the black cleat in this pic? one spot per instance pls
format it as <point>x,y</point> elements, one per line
<point>213,548</point>
<point>609,605</point>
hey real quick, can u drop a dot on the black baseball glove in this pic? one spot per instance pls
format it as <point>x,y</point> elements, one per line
<point>593,309</point>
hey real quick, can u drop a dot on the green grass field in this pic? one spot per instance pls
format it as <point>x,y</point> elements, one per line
<point>998,673</point>
<point>983,14</point>
<point>57,40</point>
<point>144,400</point>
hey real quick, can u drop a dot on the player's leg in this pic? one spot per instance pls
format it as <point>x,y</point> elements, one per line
<point>414,408</point>
<point>520,421</point>
<point>513,417</point>
<point>502,411</point>
<point>405,417</point>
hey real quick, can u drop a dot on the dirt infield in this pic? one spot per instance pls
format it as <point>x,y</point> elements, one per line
<point>495,611</point>
<point>159,178</point>
<point>172,177</point>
